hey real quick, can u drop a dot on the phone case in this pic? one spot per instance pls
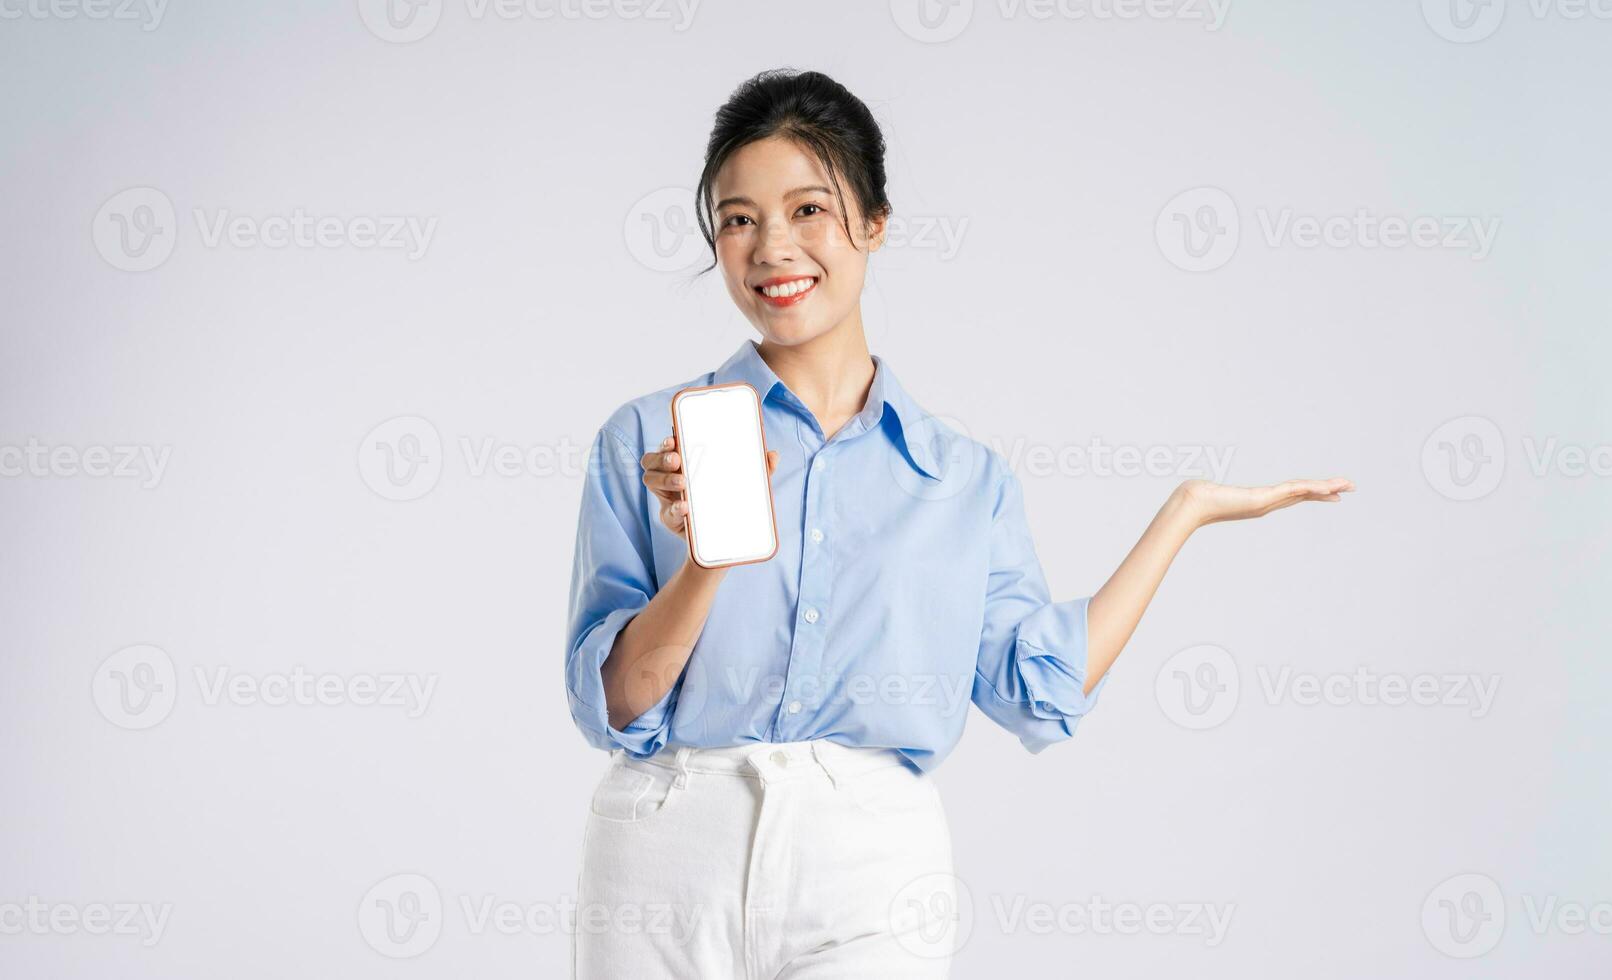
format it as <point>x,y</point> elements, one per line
<point>677,434</point>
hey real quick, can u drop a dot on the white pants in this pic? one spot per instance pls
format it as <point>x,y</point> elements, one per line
<point>767,861</point>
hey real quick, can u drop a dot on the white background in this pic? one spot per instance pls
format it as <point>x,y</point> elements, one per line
<point>1051,150</point>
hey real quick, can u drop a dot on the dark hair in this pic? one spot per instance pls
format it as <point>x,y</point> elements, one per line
<point>813,110</point>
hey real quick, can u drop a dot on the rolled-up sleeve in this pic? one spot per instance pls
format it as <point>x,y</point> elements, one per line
<point>1030,677</point>
<point>612,579</point>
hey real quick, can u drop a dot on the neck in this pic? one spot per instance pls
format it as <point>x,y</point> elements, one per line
<point>831,373</point>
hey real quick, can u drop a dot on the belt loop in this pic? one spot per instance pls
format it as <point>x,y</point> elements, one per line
<point>683,752</point>
<point>821,755</point>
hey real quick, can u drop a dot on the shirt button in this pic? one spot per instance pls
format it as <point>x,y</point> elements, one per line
<point>811,615</point>
<point>817,535</point>
<point>780,759</point>
<point>794,707</point>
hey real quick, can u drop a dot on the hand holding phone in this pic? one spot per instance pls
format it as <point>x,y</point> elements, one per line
<point>725,495</point>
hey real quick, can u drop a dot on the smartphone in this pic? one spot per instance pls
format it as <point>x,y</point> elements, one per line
<point>725,481</point>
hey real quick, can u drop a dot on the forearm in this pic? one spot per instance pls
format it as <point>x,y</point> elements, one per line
<point>1113,613</point>
<point>650,652</point>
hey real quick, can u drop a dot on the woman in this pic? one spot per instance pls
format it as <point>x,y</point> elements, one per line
<point>769,811</point>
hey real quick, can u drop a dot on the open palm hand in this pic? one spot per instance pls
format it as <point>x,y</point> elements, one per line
<point>1209,503</point>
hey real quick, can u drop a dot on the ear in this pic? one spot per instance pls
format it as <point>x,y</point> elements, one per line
<point>877,229</point>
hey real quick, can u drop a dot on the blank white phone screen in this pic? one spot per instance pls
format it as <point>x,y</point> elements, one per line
<point>725,463</point>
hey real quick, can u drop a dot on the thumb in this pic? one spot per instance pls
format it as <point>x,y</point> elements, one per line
<point>772,461</point>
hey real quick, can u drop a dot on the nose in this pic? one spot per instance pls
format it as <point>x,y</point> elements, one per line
<point>776,244</point>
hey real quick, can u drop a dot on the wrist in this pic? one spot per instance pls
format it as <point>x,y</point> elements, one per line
<point>698,575</point>
<point>1181,512</point>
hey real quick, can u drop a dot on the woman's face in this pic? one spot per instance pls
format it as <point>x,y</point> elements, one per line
<point>778,224</point>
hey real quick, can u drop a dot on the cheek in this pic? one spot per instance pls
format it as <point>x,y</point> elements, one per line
<point>838,248</point>
<point>844,266</point>
<point>734,264</point>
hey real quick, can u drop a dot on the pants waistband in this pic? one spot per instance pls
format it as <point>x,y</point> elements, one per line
<point>777,760</point>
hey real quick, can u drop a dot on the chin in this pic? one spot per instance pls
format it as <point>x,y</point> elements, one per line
<point>789,334</point>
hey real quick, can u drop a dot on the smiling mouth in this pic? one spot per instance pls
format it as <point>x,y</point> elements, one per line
<point>787,293</point>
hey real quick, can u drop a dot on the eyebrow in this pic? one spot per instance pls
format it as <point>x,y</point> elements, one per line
<point>809,189</point>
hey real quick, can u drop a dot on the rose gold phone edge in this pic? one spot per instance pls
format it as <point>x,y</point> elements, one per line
<point>772,512</point>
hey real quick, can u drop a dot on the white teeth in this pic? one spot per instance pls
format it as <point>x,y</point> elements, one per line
<point>787,289</point>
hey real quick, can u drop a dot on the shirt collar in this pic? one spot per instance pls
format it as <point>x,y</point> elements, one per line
<point>908,422</point>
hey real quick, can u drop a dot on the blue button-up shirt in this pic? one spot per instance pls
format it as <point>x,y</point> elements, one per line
<point>905,587</point>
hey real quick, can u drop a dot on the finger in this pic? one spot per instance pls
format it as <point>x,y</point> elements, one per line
<point>1337,484</point>
<point>663,458</point>
<point>772,461</point>
<point>674,515</point>
<point>664,462</point>
<point>661,481</point>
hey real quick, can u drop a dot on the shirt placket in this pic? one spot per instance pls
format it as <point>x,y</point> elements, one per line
<point>814,611</point>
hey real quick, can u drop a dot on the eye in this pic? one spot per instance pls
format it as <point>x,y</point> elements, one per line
<point>816,210</point>
<point>731,220</point>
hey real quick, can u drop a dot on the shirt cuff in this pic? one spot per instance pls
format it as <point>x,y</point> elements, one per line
<point>1056,683</point>
<point>644,735</point>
